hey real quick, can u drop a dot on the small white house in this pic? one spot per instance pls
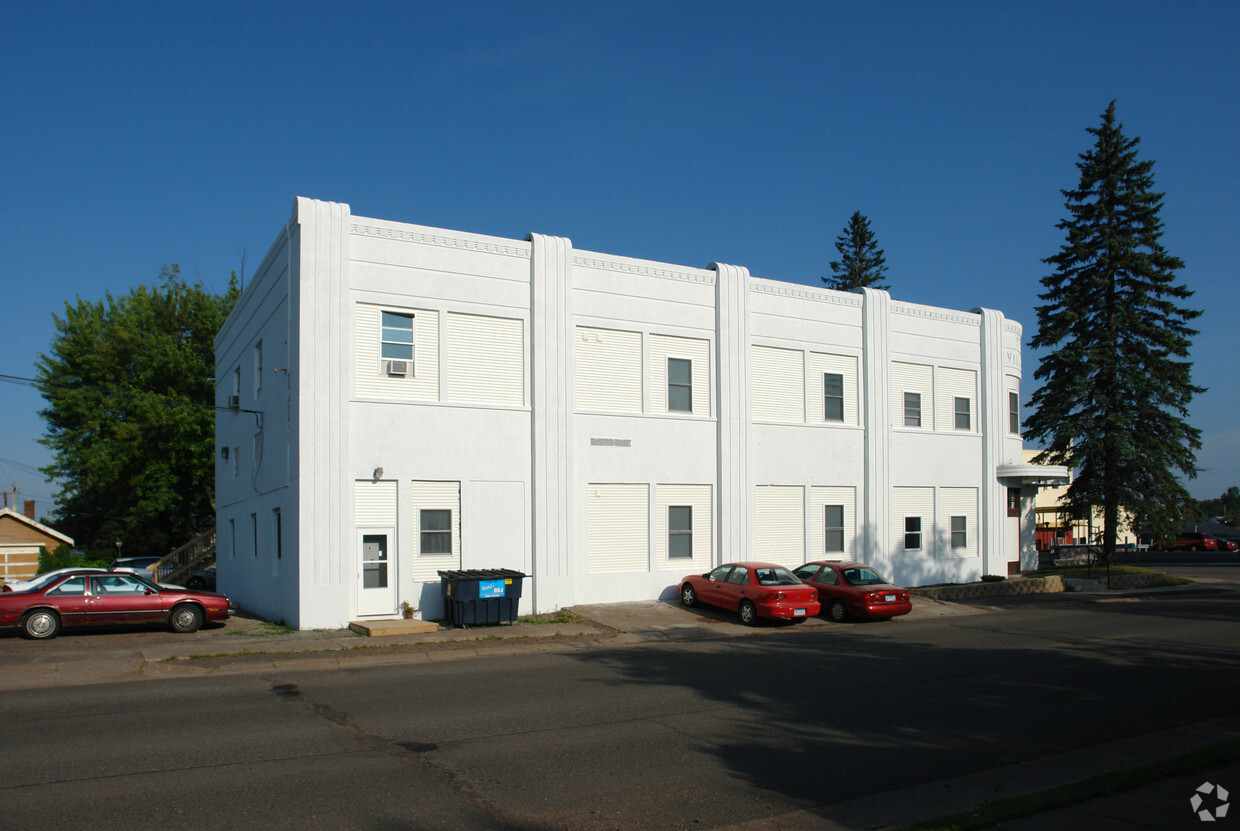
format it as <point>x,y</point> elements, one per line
<point>399,400</point>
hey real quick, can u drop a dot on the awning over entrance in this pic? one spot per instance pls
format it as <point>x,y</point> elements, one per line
<point>1045,476</point>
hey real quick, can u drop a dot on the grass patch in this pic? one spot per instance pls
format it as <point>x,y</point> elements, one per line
<point>558,616</point>
<point>1105,784</point>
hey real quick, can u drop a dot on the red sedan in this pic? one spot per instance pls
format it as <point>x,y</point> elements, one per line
<point>93,598</point>
<point>753,590</point>
<point>855,590</point>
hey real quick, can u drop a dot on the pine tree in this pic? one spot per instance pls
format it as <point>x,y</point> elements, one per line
<point>1116,383</point>
<point>861,262</point>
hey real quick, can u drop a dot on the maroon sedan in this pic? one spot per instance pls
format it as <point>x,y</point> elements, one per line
<point>93,598</point>
<point>855,590</point>
<point>753,590</point>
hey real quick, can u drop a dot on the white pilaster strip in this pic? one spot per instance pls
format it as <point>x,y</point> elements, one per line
<point>732,407</point>
<point>874,544</point>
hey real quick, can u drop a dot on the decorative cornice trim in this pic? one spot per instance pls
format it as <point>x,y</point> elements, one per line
<point>441,240</point>
<point>802,292</point>
<point>933,313</point>
<point>706,278</point>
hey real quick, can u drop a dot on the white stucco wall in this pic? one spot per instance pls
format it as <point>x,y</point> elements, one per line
<point>526,456</point>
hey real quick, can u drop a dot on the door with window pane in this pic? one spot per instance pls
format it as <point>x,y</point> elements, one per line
<point>376,594</point>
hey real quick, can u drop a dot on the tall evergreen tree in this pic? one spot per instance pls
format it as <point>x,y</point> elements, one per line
<point>1116,383</point>
<point>130,390</point>
<point>861,261</point>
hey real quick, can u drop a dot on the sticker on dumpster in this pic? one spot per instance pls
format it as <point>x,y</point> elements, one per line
<point>491,588</point>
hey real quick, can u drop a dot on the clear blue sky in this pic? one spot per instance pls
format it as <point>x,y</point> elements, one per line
<point>137,134</point>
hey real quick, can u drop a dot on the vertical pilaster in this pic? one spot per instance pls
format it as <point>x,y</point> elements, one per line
<point>875,545</point>
<point>322,343</point>
<point>551,407</point>
<point>732,387</point>
<point>992,419</point>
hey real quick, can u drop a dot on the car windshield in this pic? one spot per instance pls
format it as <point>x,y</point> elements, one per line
<point>863,577</point>
<point>775,576</point>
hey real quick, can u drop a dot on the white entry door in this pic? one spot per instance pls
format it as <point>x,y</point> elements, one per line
<point>376,590</point>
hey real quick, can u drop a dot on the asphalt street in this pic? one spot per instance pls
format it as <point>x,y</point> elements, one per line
<point>822,726</point>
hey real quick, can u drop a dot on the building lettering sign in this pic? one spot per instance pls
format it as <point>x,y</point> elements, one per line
<point>611,442</point>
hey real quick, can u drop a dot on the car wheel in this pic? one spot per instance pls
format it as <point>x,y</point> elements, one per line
<point>196,582</point>
<point>40,624</point>
<point>185,618</point>
<point>749,613</point>
<point>1195,548</point>
<point>688,596</point>
<point>838,613</point>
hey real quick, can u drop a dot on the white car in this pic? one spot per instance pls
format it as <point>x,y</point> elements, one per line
<point>39,580</point>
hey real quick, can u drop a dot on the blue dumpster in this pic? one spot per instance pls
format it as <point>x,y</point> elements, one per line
<point>481,595</point>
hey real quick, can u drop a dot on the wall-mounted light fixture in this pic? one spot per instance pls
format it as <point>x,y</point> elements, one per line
<point>378,474</point>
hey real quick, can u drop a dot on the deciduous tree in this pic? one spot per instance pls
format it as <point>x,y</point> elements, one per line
<point>130,391</point>
<point>1116,381</point>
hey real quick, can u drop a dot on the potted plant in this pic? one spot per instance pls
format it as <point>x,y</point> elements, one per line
<point>407,610</point>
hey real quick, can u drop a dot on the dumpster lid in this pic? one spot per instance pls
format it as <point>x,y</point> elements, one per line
<point>480,574</point>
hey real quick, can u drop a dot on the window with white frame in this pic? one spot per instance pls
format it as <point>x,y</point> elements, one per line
<point>833,526</point>
<point>832,396</point>
<point>680,532</point>
<point>960,532</point>
<point>435,527</point>
<point>679,385</point>
<point>912,409</point>
<point>395,336</point>
<point>912,533</point>
<point>1014,413</point>
<point>963,413</point>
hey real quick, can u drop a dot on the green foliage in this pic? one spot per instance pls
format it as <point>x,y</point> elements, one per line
<point>62,557</point>
<point>1226,506</point>
<point>1116,381</point>
<point>130,391</point>
<point>861,262</point>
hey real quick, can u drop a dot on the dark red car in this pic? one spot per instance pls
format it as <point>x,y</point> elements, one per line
<point>855,590</point>
<point>94,598</point>
<point>752,590</point>
<point>1193,541</point>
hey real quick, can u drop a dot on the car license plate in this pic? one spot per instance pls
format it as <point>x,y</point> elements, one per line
<point>798,613</point>
<point>890,598</point>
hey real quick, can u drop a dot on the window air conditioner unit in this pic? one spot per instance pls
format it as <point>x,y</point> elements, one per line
<point>234,402</point>
<point>397,369</point>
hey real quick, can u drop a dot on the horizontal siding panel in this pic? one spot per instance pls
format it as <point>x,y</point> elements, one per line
<point>845,365</point>
<point>952,384</point>
<point>486,360</point>
<point>370,379</point>
<point>917,378</point>
<point>697,497</point>
<point>779,527</point>
<point>959,502</point>
<point>820,496</point>
<point>696,350</point>
<point>608,370</point>
<point>778,384</point>
<point>906,502</point>
<point>374,504</point>
<point>439,496</point>
<point>618,528</point>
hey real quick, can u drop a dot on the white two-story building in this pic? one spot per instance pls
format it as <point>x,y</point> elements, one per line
<point>400,400</point>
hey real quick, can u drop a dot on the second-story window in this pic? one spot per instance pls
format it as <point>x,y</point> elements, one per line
<point>832,396</point>
<point>912,409</point>
<point>679,385</point>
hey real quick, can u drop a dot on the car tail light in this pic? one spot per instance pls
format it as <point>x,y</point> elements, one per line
<point>780,596</point>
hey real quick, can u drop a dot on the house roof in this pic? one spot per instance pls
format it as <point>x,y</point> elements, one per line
<point>17,516</point>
